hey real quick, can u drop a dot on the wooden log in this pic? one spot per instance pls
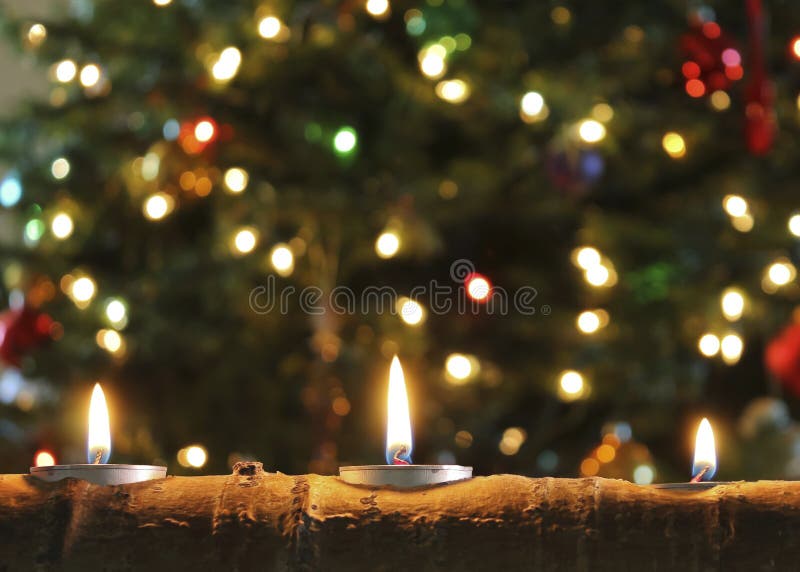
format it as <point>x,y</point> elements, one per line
<point>253,520</point>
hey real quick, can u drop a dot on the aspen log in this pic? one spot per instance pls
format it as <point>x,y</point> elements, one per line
<point>254,520</point>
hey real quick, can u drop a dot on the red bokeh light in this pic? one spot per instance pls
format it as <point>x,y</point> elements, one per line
<point>695,88</point>
<point>711,30</point>
<point>690,70</point>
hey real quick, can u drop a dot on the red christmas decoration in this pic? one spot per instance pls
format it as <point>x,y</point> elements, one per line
<point>22,330</point>
<point>711,59</point>
<point>782,358</point>
<point>760,125</point>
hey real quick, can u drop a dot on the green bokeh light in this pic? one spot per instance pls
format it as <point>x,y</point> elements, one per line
<point>345,141</point>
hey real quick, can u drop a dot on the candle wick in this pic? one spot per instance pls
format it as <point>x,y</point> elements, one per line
<point>396,460</point>
<point>98,456</point>
<point>699,476</point>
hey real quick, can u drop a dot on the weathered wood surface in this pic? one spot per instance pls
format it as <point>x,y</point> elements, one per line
<point>255,520</point>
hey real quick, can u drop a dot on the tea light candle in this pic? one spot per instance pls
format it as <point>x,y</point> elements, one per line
<point>705,463</point>
<point>399,470</point>
<point>98,451</point>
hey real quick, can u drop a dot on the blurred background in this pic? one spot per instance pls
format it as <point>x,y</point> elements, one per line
<point>168,165</point>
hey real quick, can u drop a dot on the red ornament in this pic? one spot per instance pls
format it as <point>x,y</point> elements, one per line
<point>782,358</point>
<point>711,59</point>
<point>22,330</point>
<point>760,126</point>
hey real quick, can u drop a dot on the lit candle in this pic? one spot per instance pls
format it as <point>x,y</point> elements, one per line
<point>98,451</point>
<point>705,462</point>
<point>399,470</point>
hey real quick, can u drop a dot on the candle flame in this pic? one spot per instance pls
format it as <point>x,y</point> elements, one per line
<point>99,442</point>
<point>705,454</point>
<point>398,425</point>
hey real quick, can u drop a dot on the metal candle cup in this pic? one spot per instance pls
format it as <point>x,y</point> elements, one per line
<point>100,474</point>
<point>98,452</point>
<point>400,472</point>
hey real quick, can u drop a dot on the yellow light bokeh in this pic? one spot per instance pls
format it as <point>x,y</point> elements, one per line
<point>282,259</point>
<point>603,112</point>
<point>794,225</point>
<point>65,71</point>
<point>204,131</point>
<point>589,467</point>
<point>44,459</point>
<point>532,107</point>
<point>735,205</point>
<point>478,288</point>
<point>37,34</point>
<point>387,244</point>
<point>110,340</point>
<point>605,453</point>
<point>597,275</point>
<point>377,8</point>
<point>674,145</point>
<point>571,385</point>
<point>194,456</point>
<point>591,131</point>
<point>590,321</point>
<point>732,303</point>
<point>460,368</point>
<point>90,75</point>
<point>720,100</point>
<point>743,223</point>
<point>117,312</point>
<point>226,67</point>
<point>431,61</point>
<point>236,180</point>
<point>410,311</point>
<point>708,344</point>
<point>83,290</point>
<point>587,257</point>
<point>245,240</point>
<point>157,206</point>
<point>731,347</point>
<point>269,27</point>
<point>453,91</point>
<point>62,226</point>
<point>781,272</point>
<point>162,3</point>
<point>60,168</point>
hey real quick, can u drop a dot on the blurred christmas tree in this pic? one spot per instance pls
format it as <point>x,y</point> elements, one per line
<point>635,167</point>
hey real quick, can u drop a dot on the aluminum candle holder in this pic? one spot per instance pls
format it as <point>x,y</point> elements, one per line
<point>100,474</point>
<point>691,487</point>
<point>404,475</point>
<point>98,451</point>
<point>399,471</point>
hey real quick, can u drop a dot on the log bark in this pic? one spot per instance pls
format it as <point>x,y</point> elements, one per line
<point>253,520</point>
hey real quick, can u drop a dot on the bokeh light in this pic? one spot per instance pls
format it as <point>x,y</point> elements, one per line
<point>410,311</point>
<point>62,226</point>
<point>236,180</point>
<point>387,244</point>
<point>245,240</point>
<point>282,259</point>
<point>674,145</point>
<point>571,385</point>
<point>591,131</point>
<point>708,344</point>
<point>731,347</point>
<point>158,205</point>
